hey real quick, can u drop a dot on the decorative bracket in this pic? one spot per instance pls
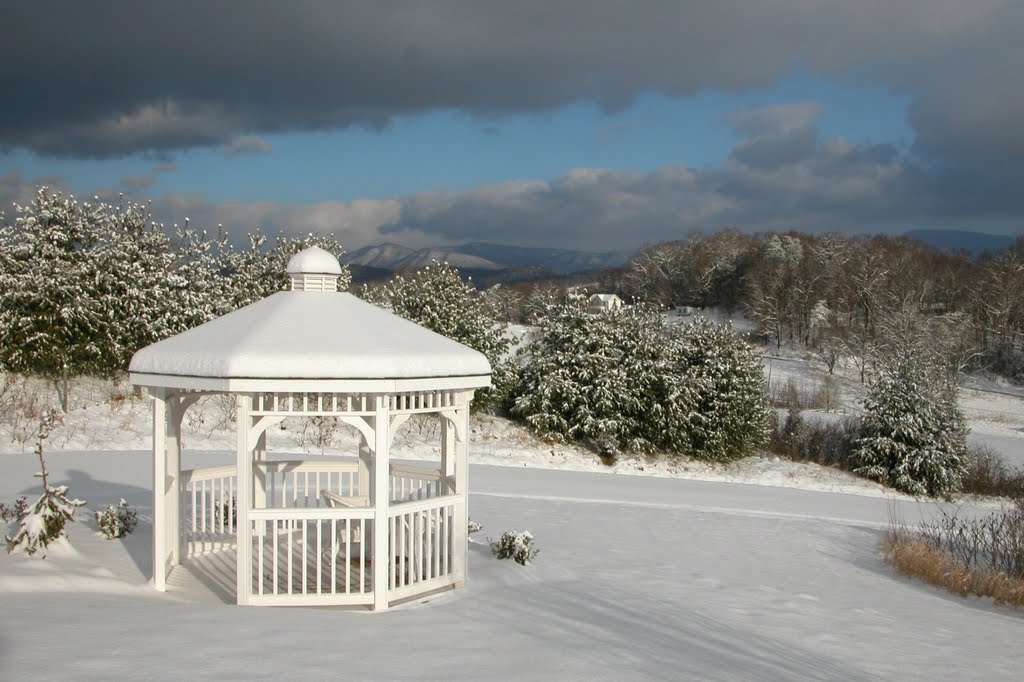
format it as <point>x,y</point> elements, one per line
<point>396,423</point>
<point>458,424</point>
<point>261,425</point>
<point>362,425</point>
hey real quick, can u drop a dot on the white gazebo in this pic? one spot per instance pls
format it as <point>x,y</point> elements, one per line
<point>353,531</point>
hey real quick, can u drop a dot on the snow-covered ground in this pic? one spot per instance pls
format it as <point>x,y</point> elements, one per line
<point>649,569</point>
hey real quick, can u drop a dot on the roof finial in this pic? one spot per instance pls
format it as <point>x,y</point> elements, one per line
<point>314,269</point>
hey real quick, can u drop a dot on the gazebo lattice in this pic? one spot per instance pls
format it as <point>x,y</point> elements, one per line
<point>355,531</point>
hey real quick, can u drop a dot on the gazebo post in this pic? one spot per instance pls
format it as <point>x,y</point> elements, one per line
<point>381,494</point>
<point>447,468</point>
<point>175,412</point>
<point>461,531</point>
<point>243,500</point>
<point>365,467</point>
<point>159,488</point>
<point>260,477</point>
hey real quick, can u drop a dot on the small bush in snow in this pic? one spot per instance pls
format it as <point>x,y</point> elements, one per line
<point>474,527</point>
<point>516,545</point>
<point>913,436</point>
<point>44,522</point>
<point>116,522</point>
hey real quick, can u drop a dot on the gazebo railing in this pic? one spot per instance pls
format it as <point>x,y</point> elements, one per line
<point>421,537</point>
<point>311,556</point>
<point>208,511</point>
<point>306,552</point>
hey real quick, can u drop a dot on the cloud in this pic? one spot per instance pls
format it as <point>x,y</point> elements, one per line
<point>194,74</point>
<point>137,182</point>
<point>165,167</point>
<point>779,177</point>
<point>246,144</point>
<point>775,119</point>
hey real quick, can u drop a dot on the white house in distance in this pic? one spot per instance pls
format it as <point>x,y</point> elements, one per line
<point>356,530</point>
<point>604,302</point>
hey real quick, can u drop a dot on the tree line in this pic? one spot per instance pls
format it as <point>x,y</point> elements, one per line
<point>83,285</point>
<point>840,294</point>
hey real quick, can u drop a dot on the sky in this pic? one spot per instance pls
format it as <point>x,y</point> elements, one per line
<point>580,124</point>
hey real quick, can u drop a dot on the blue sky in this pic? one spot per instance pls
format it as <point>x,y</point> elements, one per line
<point>451,150</point>
<point>564,124</point>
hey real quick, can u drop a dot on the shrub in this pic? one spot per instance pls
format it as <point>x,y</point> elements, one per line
<point>437,298</point>
<point>116,522</point>
<point>913,435</point>
<point>474,527</point>
<point>516,545</point>
<point>626,379</point>
<point>986,473</point>
<point>828,443</point>
<point>977,555</point>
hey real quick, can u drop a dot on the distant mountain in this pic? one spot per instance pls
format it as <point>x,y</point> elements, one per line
<point>383,256</point>
<point>562,261</point>
<point>975,243</point>
<point>454,257</point>
<point>481,257</point>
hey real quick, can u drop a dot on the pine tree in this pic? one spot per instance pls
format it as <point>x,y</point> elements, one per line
<point>626,380</point>
<point>52,321</point>
<point>437,298</point>
<point>913,434</point>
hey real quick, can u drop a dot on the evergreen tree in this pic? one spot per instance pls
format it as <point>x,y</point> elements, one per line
<point>52,321</point>
<point>627,380</point>
<point>913,436</point>
<point>437,298</point>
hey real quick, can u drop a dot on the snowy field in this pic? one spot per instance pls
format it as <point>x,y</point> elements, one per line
<point>648,569</point>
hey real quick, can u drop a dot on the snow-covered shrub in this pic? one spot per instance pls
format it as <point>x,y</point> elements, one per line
<point>627,380</point>
<point>437,298</point>
<point>116,522</point>
<point>516,545</point>
<point>474,527</point>
<point>913,436</point>
<point>44,522</point>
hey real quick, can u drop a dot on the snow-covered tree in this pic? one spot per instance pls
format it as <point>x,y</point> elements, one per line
<point>913,436</point>
<point>43,523</point>
<point>52,321</point>
<point>437,298</point>
<point>626,380</point>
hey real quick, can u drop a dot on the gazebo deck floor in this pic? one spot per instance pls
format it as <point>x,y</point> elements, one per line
<point>210,577</point>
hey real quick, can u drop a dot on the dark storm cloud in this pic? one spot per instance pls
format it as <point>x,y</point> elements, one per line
<point>100,79</point>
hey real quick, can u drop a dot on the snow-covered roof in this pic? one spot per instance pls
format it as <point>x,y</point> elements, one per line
<point>310,335</point>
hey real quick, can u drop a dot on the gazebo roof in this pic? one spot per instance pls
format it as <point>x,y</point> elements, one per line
<point>309,334</point>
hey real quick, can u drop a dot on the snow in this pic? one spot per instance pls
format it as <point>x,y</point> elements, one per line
<point>648,569</point>
<point>638,578</point>
<point>298,335</point>
<point>314,260</point>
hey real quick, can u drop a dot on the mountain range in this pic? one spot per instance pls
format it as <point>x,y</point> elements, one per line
<point>975,243</point>
<point>484,257</point>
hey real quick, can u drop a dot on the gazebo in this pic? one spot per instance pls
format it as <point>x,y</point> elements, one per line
<point>359,530</point>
